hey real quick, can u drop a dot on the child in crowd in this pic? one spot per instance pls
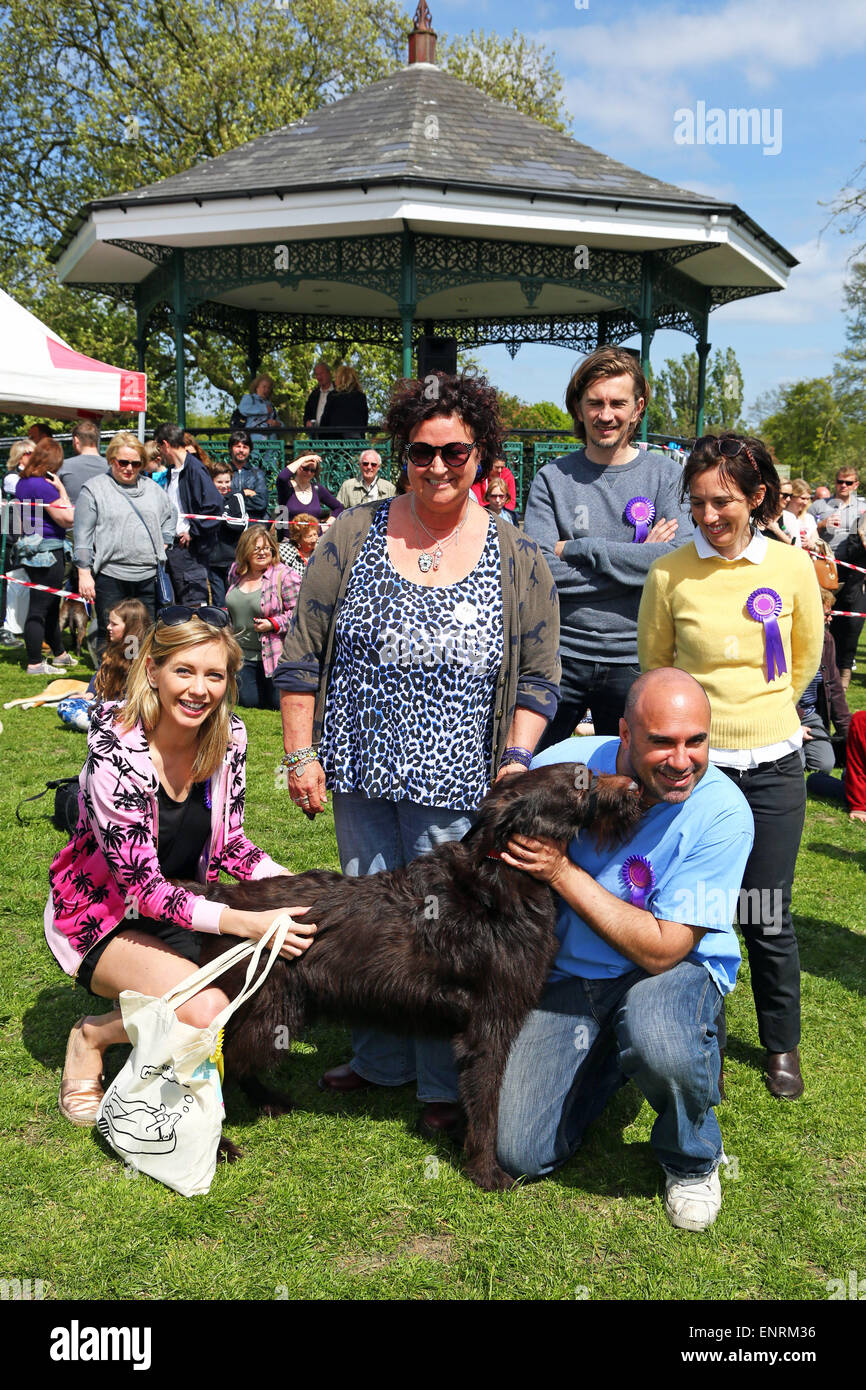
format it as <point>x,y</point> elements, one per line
<point>126,628</point>
<point>497,500</point>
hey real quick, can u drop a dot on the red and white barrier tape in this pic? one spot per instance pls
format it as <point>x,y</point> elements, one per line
<point>255,520</point>
<point>844,563</point>
<point>46,588</point>
<point>843,613</point>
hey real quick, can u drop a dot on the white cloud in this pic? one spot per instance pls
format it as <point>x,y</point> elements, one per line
<point>627,77</point>
<point>813,294</point>
<point>766,40</point>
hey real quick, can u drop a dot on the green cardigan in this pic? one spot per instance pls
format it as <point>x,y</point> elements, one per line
<point>530,670</point>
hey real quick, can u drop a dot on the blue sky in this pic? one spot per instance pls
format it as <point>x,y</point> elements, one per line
<point>629,65</point>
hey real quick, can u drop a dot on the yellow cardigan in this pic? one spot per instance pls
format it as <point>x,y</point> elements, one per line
<point>693,616</point>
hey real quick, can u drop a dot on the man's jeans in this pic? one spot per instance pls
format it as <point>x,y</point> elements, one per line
<point>586,1039</point>
<point>373,836</point>
<point>592,685</point>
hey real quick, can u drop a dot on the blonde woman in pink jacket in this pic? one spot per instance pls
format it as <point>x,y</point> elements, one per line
<point>161,797</point>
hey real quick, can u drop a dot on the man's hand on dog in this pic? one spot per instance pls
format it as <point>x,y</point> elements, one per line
<point>543,858</point>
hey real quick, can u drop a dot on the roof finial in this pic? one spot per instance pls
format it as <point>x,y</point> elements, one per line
<point>422,40</point>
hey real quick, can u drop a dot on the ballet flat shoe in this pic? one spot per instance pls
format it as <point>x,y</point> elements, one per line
<point>79,1101</point>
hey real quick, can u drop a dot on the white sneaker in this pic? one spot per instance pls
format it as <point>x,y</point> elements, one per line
<point>44,668</point>
<point>692,1204</point>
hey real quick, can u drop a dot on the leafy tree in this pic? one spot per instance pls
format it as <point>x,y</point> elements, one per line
<point>674,394</point>
<point>101,96</point>
<point>543,416</point>
<point>805,428</point>
<point>514,71</point>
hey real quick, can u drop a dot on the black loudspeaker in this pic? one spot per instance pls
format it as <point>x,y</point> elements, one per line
<point>436,355</point>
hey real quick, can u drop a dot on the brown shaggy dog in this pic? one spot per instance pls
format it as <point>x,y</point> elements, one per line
<point>456,944</point>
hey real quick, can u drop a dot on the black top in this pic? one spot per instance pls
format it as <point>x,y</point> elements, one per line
<point>346,410</point>
<point>182,832</point>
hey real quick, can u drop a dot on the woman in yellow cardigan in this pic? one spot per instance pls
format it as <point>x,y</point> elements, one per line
<point>743,615</point>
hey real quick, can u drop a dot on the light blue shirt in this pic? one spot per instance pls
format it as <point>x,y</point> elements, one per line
<point>697,849</point>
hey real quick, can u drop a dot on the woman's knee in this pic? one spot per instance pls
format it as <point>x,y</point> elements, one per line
<point>202,1009</point>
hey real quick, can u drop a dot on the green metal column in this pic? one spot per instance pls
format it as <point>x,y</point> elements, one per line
<point>645,317</point>
<point>408,296</point>
<point>254,356</point>
<point>703,354</point>
<point>178,305</point>
<point>140,332</point>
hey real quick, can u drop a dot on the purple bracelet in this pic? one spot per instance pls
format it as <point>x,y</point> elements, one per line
<point>516,755</point>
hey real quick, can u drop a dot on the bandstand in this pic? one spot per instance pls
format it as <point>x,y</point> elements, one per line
<point>419,205</point>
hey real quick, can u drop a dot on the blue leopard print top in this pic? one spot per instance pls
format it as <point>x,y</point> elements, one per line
<point>410,703</point>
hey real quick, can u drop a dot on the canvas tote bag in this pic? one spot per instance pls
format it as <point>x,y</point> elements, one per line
<point>163,1112</point>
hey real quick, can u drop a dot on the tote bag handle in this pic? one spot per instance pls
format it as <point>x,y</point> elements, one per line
<point>186,989</point>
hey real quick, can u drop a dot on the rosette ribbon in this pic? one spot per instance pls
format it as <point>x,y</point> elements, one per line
<point>638,879</point>
<point>639,513</point>
<point>764,606</point>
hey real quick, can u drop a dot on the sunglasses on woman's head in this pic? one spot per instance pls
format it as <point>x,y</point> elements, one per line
<point>455,455</point>
<point>730,449</point>
<point>179,613</point>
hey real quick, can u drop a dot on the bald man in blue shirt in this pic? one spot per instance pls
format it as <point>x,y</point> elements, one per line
<point>647,953</point>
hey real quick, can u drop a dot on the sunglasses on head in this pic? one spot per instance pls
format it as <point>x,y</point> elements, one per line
<point>731,449</point>
<point>179,613</point>
<point>455,455</point>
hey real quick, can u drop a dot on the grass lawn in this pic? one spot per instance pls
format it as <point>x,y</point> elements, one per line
<point>345,1200</point>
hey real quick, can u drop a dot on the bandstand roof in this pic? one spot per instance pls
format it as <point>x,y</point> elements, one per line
<point>495,201</point>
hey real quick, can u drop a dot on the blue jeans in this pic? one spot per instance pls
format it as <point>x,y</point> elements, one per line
<point>596,685</point>
<point>373,836</point>
<point>586,1039</point>
<point>255,689</point>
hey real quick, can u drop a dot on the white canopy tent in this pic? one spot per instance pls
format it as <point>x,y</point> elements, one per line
<point>40,374</point>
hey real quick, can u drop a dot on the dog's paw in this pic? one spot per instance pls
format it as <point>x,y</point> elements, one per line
<point>277,1105</point>
<point>228,1152</point>
<point>490,1179</point>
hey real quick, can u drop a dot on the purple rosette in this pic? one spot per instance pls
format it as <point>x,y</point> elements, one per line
<point>638,879</point>
<point>639,513</point>
<point>764,606</point>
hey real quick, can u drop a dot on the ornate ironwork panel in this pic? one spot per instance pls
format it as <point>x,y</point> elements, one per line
<point>730,293</point>
<point>340,457</point>
<point>449,262</point>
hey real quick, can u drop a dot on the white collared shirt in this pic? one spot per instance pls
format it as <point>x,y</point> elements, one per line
<point>173,490</point>
<point>742,758</point>
<point>323,397</point>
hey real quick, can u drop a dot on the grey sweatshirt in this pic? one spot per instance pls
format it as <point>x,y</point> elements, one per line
<point>109,537</point>
<point>601,573</point>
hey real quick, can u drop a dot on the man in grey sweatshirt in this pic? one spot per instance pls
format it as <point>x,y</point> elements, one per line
<point>601,516</point>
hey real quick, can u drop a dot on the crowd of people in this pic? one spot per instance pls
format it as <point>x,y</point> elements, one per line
<point>422,645</point>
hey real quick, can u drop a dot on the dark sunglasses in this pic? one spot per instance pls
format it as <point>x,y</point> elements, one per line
<point>730,449</point>
<point>179,613</point>
<point>844,482</point>
<point>455,455</point>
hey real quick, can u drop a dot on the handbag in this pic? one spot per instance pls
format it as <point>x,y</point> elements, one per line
<point>826,570</point>
<point>65,815</point>
<point>164,590</point>
<point>163,1112</point>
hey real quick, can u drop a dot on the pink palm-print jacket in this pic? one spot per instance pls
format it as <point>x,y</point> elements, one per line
<point>109,870</point>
